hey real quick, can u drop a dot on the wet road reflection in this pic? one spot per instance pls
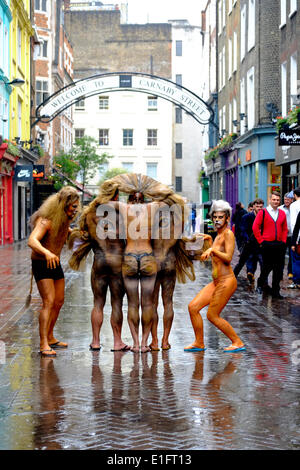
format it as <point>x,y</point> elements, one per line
<point>159,400</point>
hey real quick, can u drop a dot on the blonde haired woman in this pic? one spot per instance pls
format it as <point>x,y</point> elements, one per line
<point>51,227</point>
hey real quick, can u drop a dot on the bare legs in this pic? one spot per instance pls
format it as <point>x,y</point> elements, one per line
<point>52,294</point>
<point>216,296</point>
<point>132,288</point>
<point>167,283</point>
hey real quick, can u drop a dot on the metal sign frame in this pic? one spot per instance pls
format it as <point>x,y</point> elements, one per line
<point>125,81</point>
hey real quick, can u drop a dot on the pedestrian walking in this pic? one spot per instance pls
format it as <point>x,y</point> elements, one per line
<point>236,221</point>
<point>218,292</point>
<point>250,253</point>
<point>287,201</point>
<point>295,251</point>
<point>295,208</point>
<point>51,227</point>
<point>270,230</point>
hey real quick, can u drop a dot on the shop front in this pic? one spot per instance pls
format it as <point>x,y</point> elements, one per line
<point>216,175</point>
<point>231,177</point>
<point>23,194</point>
<point>7,164</point>
<point>288,160</point>
<point>258,175</point>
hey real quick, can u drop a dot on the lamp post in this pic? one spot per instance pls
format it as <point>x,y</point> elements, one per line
<point>14,82</point>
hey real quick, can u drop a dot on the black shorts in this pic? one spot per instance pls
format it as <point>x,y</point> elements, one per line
<point>40,270</point>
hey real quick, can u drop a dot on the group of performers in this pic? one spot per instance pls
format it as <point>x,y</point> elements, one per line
<point>137,266</point>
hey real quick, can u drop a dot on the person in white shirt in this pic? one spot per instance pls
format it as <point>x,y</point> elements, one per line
<point>295,208</point>
<point>294,211</point>
<point>287,201</point>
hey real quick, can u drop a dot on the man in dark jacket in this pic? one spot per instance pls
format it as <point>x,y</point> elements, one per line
<point>250,252</point>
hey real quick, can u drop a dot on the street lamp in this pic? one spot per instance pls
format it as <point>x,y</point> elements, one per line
<point>14,82</point>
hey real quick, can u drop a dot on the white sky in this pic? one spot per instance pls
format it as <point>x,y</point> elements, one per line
<point>160,11</point>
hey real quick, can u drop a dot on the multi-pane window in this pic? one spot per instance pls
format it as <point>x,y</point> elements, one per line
<point>229,57</point>
<point>80,105</point>
<point>243,31</point>
<point>79,133</point>
<point>293,6</point>
<point>127,137</point>
<point>283,90</point>
<point>293,79</point>
<point>151,136</point>
<point>178,115</point>
<point>178,150</point>
<point>178,79</point>
<point>152,170</point>
<point>103,137</point>
<point>40,5</point>
<point>41,91</point>
<point>103,169</point>
<point>103,102</point>
<point>179,48</point>
<point>44,49</point>
<point>152,103</point>
<point>251,24</point>
<point>128,166</point>
<point>178,184</point>
<point>250,98</point>
<point>19,45</point>
<point>282,12</point>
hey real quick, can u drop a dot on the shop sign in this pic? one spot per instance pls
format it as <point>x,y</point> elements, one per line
<point>23,173</point>
<point>289,137</point>
<point>38,172</point>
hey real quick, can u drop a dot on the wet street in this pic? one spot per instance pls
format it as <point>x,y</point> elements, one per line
<point>169,400</point>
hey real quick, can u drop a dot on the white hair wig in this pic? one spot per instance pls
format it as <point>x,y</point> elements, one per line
<point>221,206</point>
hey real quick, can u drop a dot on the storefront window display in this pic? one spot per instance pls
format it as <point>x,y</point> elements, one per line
<point>274,178</point>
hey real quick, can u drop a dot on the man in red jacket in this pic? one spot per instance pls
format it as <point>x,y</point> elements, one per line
<point>270,230</point>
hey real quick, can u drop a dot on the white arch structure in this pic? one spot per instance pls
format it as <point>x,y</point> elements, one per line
<point>122,81</point>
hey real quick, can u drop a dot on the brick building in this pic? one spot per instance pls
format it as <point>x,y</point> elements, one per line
<point>53,71</point>
<point>259,99</point>
<point>288,156</point>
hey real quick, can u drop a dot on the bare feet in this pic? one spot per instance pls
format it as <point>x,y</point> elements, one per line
<point>195,347</point>
<point>123,347</point>
<point>47,352</point>
<point>57,344</point>
<point>145,349</point>
<point>238,346</point>
<point>154,346</point>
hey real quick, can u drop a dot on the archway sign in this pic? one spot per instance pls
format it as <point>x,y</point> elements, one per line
<point>138,82</point>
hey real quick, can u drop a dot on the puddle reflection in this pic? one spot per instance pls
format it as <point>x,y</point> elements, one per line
<point>213,411</point>
<point>47,431</point>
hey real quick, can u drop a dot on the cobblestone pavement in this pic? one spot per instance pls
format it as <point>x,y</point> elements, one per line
<point>160,400</point>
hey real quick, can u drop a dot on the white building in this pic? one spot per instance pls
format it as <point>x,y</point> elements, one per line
<point>134,128</point>
<point>187,71</point>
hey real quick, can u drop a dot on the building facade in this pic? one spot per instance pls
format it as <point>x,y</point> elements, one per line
<point>288,156</point>
<point>259,99</point>
<point>187,70</point>
<point>134,128</point>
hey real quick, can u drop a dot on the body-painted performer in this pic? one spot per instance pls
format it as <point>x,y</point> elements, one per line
<point>217,293</point>
<point>139,267</point>
<point>171,257</point>
<point>106,271</point>
<point>51,224</point>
